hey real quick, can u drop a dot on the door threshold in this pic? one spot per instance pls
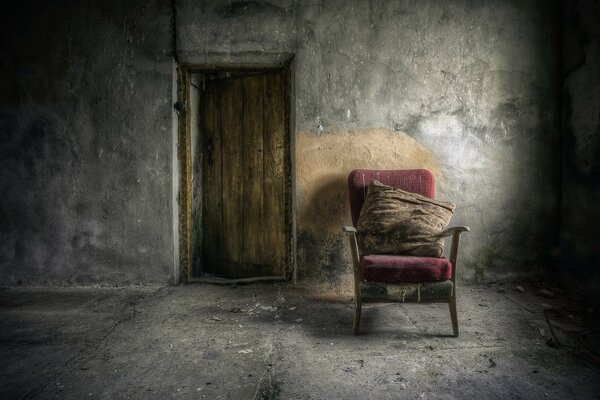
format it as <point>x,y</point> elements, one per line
<point>239,281</point>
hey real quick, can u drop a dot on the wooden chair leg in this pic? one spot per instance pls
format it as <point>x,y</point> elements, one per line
<point>357,312</point>
<point>453,315</point>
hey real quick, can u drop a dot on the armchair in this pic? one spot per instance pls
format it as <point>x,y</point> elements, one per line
<point>400,278</point>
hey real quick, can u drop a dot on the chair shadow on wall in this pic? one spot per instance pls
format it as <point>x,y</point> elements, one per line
<point>325,206</point>
<point>322,249</point>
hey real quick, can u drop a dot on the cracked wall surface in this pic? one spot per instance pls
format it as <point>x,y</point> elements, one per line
<point>468,85</point>
<point>467,89</point>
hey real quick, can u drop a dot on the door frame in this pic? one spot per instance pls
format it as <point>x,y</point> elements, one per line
<point>184,157</point>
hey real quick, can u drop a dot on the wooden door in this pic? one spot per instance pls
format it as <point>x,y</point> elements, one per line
<point>244,174</point>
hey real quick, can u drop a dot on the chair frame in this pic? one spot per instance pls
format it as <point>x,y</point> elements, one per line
<point>455,232</point>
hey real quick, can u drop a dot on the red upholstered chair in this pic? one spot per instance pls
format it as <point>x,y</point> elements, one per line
<point>400,278</point>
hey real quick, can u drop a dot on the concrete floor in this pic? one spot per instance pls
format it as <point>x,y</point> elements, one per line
<point>282,342</point>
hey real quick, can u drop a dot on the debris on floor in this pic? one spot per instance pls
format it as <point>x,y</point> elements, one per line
<point>545,293</point>
<point>542,332</point>
<point>85,339</point>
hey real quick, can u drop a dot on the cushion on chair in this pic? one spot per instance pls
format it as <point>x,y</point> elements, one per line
<point>393,221</point>
<point>409,269</point>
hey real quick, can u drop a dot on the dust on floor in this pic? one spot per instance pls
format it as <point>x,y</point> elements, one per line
<point>283,342</point>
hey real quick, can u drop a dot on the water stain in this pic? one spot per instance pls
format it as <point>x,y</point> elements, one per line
<point>324,161</point>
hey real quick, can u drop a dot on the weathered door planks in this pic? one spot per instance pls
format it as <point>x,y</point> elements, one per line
<point>244,175</point>
<point>274,168</point>
<point>253,182</point>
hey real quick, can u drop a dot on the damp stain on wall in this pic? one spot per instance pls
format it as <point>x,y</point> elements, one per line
<point>323,162</point>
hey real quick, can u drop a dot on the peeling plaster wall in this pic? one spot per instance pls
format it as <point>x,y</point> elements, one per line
<point>581,144</point>
<point>86,148</point>
<point>465,88</point>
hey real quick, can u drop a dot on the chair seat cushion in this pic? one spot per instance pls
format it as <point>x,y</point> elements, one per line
<point>401,268</point>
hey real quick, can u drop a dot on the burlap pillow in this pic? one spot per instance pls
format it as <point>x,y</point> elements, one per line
<point>393,221</point>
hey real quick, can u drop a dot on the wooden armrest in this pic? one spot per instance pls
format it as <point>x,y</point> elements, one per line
<point>455,232</point>
<point>454,229</point>
<point>349,229</point>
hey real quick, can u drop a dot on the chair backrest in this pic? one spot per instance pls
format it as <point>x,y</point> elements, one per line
<point>419,181</point>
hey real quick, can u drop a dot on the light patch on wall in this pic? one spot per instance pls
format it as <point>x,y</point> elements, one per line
<point>323,162</point>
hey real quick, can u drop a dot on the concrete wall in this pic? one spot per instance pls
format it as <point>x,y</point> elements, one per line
<point>581,140</point>
<point>85,159</point>
<point>465,88</point>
